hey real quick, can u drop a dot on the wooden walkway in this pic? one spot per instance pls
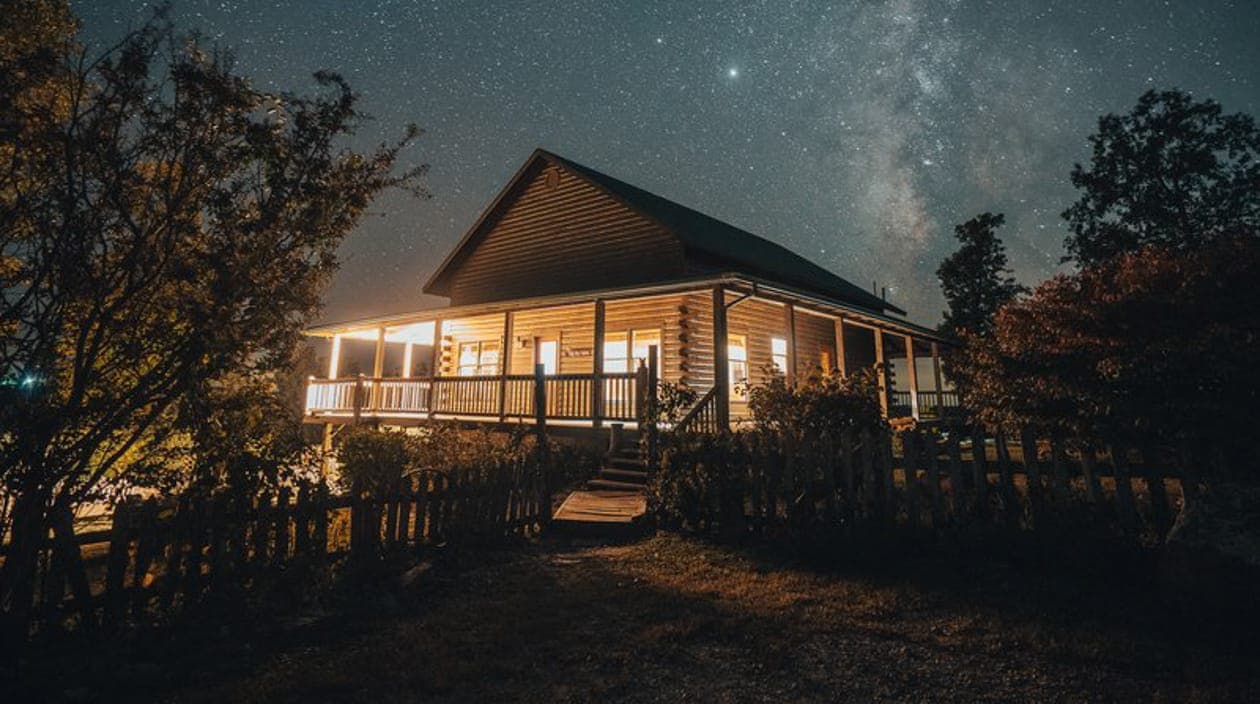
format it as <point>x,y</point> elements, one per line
<point>602,506</point>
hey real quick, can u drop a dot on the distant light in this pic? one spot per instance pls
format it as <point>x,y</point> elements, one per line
<point>732,72</point>
<point>30,380</point>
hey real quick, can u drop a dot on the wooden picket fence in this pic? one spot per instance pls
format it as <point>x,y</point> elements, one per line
<point>158,557</point>
<point>939,479</point>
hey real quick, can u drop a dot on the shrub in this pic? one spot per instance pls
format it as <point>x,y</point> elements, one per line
<point>374,460</point>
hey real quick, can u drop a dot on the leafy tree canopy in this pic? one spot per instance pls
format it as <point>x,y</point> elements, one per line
<point>1174,172</point>
<point>1154,345</point>
<point>166,231</point>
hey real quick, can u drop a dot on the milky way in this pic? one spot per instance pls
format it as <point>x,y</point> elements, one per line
<point>854,133</point>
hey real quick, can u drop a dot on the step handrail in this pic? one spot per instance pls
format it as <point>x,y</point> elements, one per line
<point>703,413</point>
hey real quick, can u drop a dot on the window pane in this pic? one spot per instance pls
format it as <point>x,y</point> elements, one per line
<point>642,340</point>
<point>778,345</point>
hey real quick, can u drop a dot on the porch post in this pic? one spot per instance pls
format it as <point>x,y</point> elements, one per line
<point>378,370</point>
<point>378,362</point>
<point>435,360</point>
<point>936,372</point>
<point>790,372</point>
<point>841,366</point>
<point>914,378</point>
<point>334,357</point>
<point>334,361</point>
<point>721,368</point>
<point>597,367</point>
<point>881,371</point>
<point>408,353</point>
<point>505,361</point>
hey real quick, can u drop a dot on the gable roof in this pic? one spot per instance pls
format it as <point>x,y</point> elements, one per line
<point>720,244</point>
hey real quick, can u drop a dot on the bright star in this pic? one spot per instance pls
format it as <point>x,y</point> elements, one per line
<point>732,72</point>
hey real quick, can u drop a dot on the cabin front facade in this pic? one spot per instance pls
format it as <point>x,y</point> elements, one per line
<point>571,281</point>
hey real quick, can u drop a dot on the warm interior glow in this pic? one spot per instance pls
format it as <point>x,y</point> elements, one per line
<point>623,351</point>
<point>415,333</point>
<point>549,356</point>
<point>778,354</point>
<point>737,362</point>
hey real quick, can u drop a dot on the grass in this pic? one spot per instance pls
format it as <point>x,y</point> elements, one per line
<point>673,619</point>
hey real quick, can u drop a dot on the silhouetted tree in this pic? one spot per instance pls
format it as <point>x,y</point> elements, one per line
<point>1154,345</point>
<point>976,279</point>
<point>166,229</point>
<point>1174,172</point>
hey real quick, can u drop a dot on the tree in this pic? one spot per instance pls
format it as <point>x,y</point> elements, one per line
<point>1155,346</point>
<point>168,231</point>
<point>975,279</point>
<point>1174,172</point>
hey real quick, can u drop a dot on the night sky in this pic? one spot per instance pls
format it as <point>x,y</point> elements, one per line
<point>856,133</point>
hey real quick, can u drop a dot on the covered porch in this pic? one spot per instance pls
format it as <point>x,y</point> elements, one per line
<point>589,360</point>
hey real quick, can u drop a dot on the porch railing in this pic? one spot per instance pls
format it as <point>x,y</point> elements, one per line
<point>568,396</point>
<point>932,404</point>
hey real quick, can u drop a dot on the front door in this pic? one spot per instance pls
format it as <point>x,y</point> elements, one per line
<point>548,356</point>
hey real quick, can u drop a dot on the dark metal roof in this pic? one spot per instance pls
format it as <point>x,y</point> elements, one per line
<point>720,245</point>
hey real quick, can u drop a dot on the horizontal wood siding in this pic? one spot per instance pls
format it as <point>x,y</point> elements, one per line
<point>815,335</point>
<point>758,321</point>
<point>573,326</point>
<point>481,328</point>
<point>665,314</point>
<point>566,237</point>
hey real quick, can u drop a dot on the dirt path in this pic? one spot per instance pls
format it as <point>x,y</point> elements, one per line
<point>670,619</point>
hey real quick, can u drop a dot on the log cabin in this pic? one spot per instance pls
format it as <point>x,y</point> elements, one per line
<point>577,282</point>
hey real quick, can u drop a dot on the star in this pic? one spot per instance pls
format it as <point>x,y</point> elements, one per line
<point>732,72</point>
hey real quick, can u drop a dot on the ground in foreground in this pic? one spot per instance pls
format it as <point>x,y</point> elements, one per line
<point>676,619</point>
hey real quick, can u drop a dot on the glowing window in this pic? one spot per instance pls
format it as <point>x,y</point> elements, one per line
<point>779,354</point>
<point>737,363</point>
<point>478,359</point>
<point>624,351</point>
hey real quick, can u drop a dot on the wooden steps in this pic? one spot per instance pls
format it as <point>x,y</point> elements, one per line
<point>612,504</point>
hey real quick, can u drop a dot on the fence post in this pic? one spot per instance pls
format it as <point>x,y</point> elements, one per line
<point>931,448</point>
<point>1155,489</point>
<point>540,427</point>
<point>653,411</point>
<point>910,470</point>
<point>1032,472</point>
<point>1124,488</point>
<point>116,563</point>
<point>1089,468</point>
<point>957,481</point>
<point>66,552</point>
<point>980,470</point>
